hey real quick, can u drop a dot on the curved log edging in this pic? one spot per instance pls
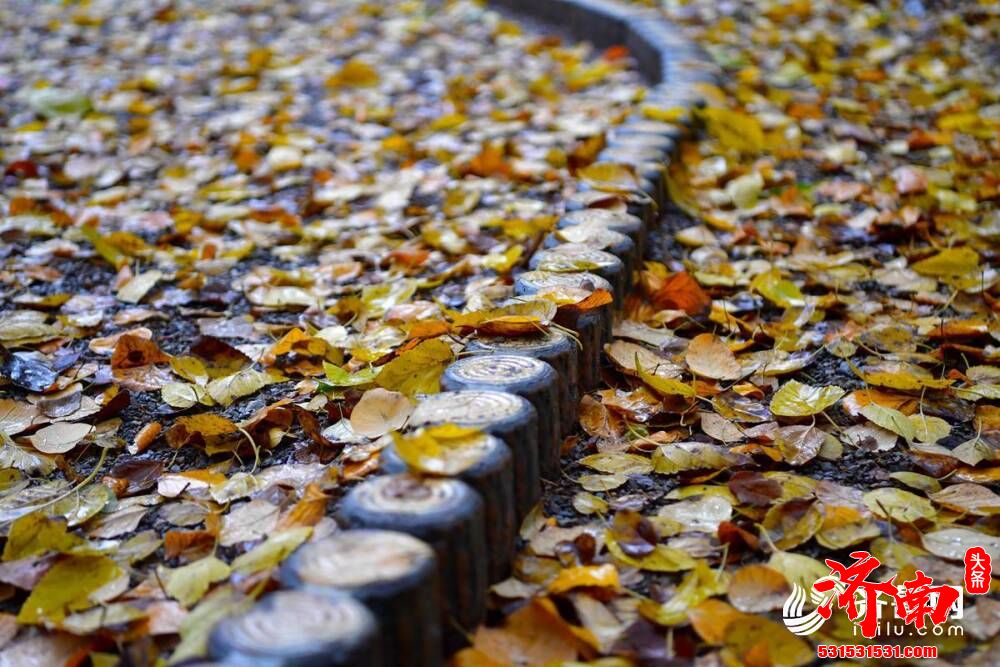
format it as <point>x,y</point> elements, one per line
<point>674,66</point>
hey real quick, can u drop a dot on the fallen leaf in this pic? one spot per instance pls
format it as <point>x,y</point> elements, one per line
<point>380,411</point>
<point>709,356</point>
<point>189,583</point>
<point>757,588</point>
<point>59,438</point>
<point>795,399</point>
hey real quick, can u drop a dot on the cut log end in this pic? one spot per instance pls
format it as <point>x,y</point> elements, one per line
<point>298,628</point>
<point>507,416</point>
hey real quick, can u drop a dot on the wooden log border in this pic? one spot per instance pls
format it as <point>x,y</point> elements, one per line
<point>672,65</point>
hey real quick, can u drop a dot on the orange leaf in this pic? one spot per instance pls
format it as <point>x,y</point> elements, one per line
<point>596,299</point>
<point>489,161</point>
<point>853,402</point>
<point>306,512</point>
<point>132,351</point>
<point>534,635</point>
<point>682,292</point>
<point>145,437</point>
<point>601,576</point>
<point>428,329</point>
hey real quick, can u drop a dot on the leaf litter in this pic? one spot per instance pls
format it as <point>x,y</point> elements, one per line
<point>237,245</point>
<point>247,252</point>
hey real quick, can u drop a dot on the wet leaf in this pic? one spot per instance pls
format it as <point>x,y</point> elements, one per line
<point>799,444</point>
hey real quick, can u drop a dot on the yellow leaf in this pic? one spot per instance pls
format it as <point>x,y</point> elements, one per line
<point>795,399</point>
<point>899,505</point>
<point>663,558</point>
<point>601,576</point>
<point>618,462</point>
<point>447,449</point>
<point>417,371</point>
<point>665,386</point>
<point>35,534</point>
<point>67,587</point>
<point>778,290</point>
<point>189,583</point>
<point>503,262</point>
<point>354,74</point>
<point>271,551</point>
<point>949,263</point>
<point>609,176</point>
<point>890,419</point>
<point>734,130</point>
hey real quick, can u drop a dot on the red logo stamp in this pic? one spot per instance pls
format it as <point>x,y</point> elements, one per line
<point>978,571</point>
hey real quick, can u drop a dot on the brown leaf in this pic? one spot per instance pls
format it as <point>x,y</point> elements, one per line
<point>709,356</point>
<point>133,351</point>
<point>752,488</point>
